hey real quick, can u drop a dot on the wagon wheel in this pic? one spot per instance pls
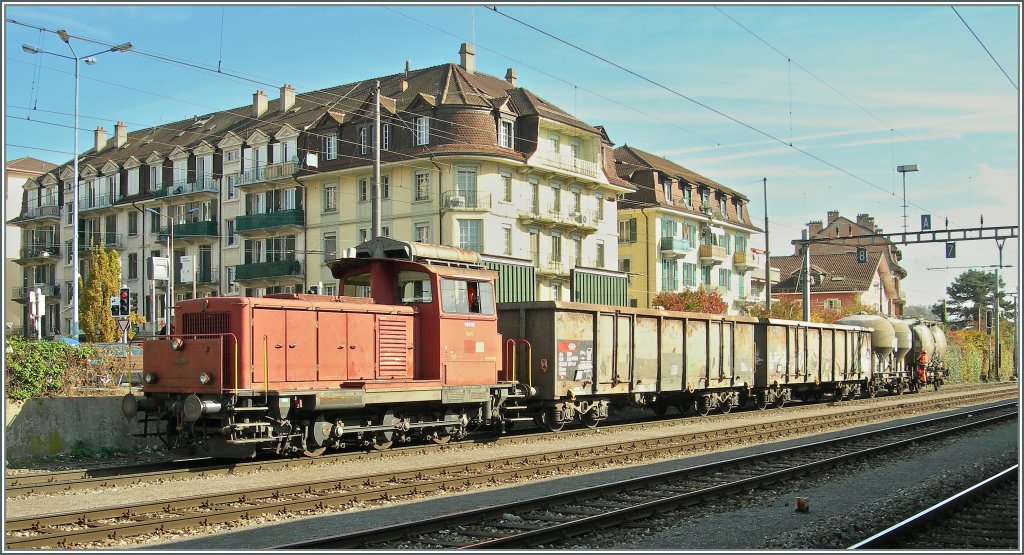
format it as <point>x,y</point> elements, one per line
<point>590,418</point>
<point>703,405</point>
<point>725,407</point>
<point>870,391</point>
<point>779,401</point>
<point>547,420</point>
<point>383,439</point>
<point>761,400</point>
<point>444,434</point>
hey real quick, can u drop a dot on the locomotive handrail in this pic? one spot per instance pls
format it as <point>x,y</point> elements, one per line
<point>266,373</point>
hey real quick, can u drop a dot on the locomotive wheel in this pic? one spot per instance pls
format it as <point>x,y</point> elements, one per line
<point>383,440</point>
<point>444,434</point>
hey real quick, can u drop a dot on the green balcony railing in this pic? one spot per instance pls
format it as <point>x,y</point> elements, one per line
<point>261,270</point>
<point>674,244</point>
<point>280,218</point>
<point>196,229</point>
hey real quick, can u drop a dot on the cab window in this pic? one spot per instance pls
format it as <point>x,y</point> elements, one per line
<point>467,297</point>
<point>357,285</point>
<point>414,287</point>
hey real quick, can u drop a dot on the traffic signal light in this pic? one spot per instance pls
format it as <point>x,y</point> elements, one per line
<point>988,320</point>
<point>123,302</point>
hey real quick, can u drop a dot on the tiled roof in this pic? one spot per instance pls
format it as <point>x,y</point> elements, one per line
<point>851,275</point>
<point>28,164</point>
<point>640,159</point>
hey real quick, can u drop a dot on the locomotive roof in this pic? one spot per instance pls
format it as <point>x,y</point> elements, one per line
<point>386,248</point>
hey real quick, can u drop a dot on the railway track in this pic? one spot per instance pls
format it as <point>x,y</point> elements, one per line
<point>983,516</point>
<point>82,527</point>
<point>543,521</point>
<point>78,480</point>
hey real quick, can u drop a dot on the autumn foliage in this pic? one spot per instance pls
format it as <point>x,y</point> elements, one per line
<point>699,300</point>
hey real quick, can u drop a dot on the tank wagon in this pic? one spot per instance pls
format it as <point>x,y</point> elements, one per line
<point>417,349</point>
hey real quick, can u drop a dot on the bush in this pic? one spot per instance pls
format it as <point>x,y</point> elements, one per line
<point>970,354</point>
<point>39,368</point>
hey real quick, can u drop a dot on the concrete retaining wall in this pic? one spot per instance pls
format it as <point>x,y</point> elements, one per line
<point>53,425</point>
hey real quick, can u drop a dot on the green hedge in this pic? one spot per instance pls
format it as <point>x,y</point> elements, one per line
<point>969,356</point>
<point>39,368</point>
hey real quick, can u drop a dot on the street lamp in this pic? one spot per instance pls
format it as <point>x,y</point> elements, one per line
<point>91,60</point>
<point>170,259</point>
<point>904,170</point>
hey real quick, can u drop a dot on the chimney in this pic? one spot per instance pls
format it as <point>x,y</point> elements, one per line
<point>467,57</point>
<point>287,99</point>
<point>120,134</point>
<point>101,138</point>
<point>259,104</point>
<point>866,221</point>
<point>510,76</point>
<point>833,215</point>
<point>814,228</point>
<point>407,68</point>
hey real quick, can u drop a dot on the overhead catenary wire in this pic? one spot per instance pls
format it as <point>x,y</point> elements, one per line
<point>986,48</point>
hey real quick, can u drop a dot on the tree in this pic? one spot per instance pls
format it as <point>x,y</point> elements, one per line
<point>102,283</point>
<point>699,300</point>
<point>921,311</point>
<point>781,309</point>
<point>970,295</point>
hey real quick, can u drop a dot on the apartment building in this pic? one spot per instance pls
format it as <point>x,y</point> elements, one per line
<point>680,230</point>
<point>30,245</point>
<point>262,196</point>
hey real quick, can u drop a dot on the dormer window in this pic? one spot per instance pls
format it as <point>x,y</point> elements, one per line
<point>505,133</point>
<point>705,197</point>
<point>721,205</point>
<point>666,189</point>
<point>329,144</point>
<point>364,140</point>
<point>422,131</point>
<point>687,196</point>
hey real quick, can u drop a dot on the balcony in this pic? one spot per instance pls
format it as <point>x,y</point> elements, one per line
<point>271,220</point>
<point>196,231</point>
<point>466,201</point>
<point>247,179</point>
<point>204,188</point>
<point>44,212</point>
<point>672,247</point>
<point>743,260</point>
<point>550,218</point>
<point>269,270</point>
<point>90,241</point>
<point>38,253</point>
<point>20,294</point>
<point>205,277</point>
<point>97,202</point>
<point>567,162</point>
<point>712,254</point>
<point>552,268</point>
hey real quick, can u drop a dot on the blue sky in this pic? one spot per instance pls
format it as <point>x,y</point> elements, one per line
<point>856,89</point>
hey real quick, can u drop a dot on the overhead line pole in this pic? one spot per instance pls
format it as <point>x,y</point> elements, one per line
<point>767,255</point>
<point>375,208</point>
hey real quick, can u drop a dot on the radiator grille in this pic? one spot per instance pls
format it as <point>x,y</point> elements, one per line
<point>394,347</point>
<point>205,322</point>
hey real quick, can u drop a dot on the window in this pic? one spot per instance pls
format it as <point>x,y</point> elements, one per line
<point>725,279</point>
<point>705,198</point>
<point>330,245</point>
<point>506,232</point>
<point>833,304</point>
<point>721,205</point>
<point>364,190</point>
<point>556,141</point>
<point>465,184</point>
<point>330,145</point>
<point>506,181</point>
<point>422,131</point>
<point>414,287</point>
<point>467,297</point>
<point>600,207</point>
<point>627,231</point>
<point>505,133</point>
<point>364,140</point>
<point>385,136</point>
<point>669,281</point>
<point>688,272</point>
<point>556,291</point>
<point>133,266</point>
<point>232,155</point>
<point>331,290</point>
<point>600,254</point>
<point>385,187</point>
<point>535,196</point>
<point>231,276</point>
<point>133,224</point>
<point>133,181</point>
<point>470,235</point>
<point>666,190</point>
<point>154,220</point>
<point>230,238</point>
<point>422,185</point>
<point>422,232</point>
<point>556,193</point>
<point>705,275</point>
<point>668,228</point>
<point>743,287</point>
<point>741,243</point>
<point>577,251</point>
<point>179,171</point>
<point>626,266</point>
<point>385,231</point>
<point>687,196</point>
<point>576,200</point>
<point>364,234</point>
<point>556,248</point>
<point>330,197</point>
<point>574,147</point>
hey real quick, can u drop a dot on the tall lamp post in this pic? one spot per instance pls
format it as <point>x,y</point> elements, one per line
<point>903,170</point>
<point>91,60</point>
